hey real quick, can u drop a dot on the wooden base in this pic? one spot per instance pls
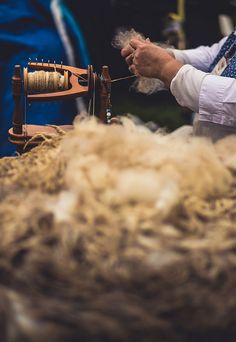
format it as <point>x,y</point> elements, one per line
<point>37,131</point>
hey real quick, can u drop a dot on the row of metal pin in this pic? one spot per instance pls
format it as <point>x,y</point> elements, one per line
<point>44,63</point>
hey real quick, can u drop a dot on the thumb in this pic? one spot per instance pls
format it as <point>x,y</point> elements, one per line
<point>135,43</point>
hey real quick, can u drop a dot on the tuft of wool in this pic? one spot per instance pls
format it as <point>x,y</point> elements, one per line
<point>123,37</point>
<point>117,233</point>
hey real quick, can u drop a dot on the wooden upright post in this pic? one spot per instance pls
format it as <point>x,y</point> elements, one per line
<point>17,86</point>
<point>105,94</point>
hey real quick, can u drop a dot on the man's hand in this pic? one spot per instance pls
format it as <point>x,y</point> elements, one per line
<point>149,60</point>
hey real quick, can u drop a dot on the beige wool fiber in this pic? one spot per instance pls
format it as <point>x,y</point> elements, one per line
<point>115,233</point>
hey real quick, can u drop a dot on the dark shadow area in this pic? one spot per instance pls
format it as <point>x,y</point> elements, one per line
<point>148,17</point>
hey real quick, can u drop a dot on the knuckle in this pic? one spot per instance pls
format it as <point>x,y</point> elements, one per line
<point>142,48</point>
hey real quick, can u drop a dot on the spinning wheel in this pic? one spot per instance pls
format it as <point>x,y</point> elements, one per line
<point>44,82</point>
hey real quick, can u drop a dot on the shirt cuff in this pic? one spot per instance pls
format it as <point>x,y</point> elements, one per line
<point>186,86</point>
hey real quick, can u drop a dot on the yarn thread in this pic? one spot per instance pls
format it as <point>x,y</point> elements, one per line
<point>45,81</point>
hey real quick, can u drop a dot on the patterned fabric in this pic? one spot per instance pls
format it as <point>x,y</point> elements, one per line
<point>229,51</point>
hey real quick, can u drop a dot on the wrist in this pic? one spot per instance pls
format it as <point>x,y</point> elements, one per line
<point>169,71</point>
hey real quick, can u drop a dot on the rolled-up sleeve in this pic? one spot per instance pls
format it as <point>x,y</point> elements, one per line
<point>186,86</point>
<point>217,100</point>
<point>213,97</point>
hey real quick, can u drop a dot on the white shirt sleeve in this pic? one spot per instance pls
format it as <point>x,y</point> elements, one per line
<point>213,97</point>
<point>186,86</point>
<point>201,57</point>
<point>217,100</point>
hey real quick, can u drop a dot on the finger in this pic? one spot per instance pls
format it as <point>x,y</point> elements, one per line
<point>129,59</point>
<point>148,40</point>
<point>126,51</point>
<point>132,69</point>
<point>135,43</point>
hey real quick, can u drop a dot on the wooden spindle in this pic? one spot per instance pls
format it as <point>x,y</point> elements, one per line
<point>17,86</point>
<point>105,93</point>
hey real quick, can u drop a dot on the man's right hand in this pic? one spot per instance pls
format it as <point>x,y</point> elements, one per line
<point>149,60</point>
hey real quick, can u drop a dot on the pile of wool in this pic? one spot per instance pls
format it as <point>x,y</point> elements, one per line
<point>116,233</point>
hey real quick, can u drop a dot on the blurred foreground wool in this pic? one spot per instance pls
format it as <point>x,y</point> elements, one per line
<point>115,233</point>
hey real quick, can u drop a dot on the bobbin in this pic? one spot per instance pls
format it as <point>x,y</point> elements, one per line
<point>71,74</point>
<point>47,76</point>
